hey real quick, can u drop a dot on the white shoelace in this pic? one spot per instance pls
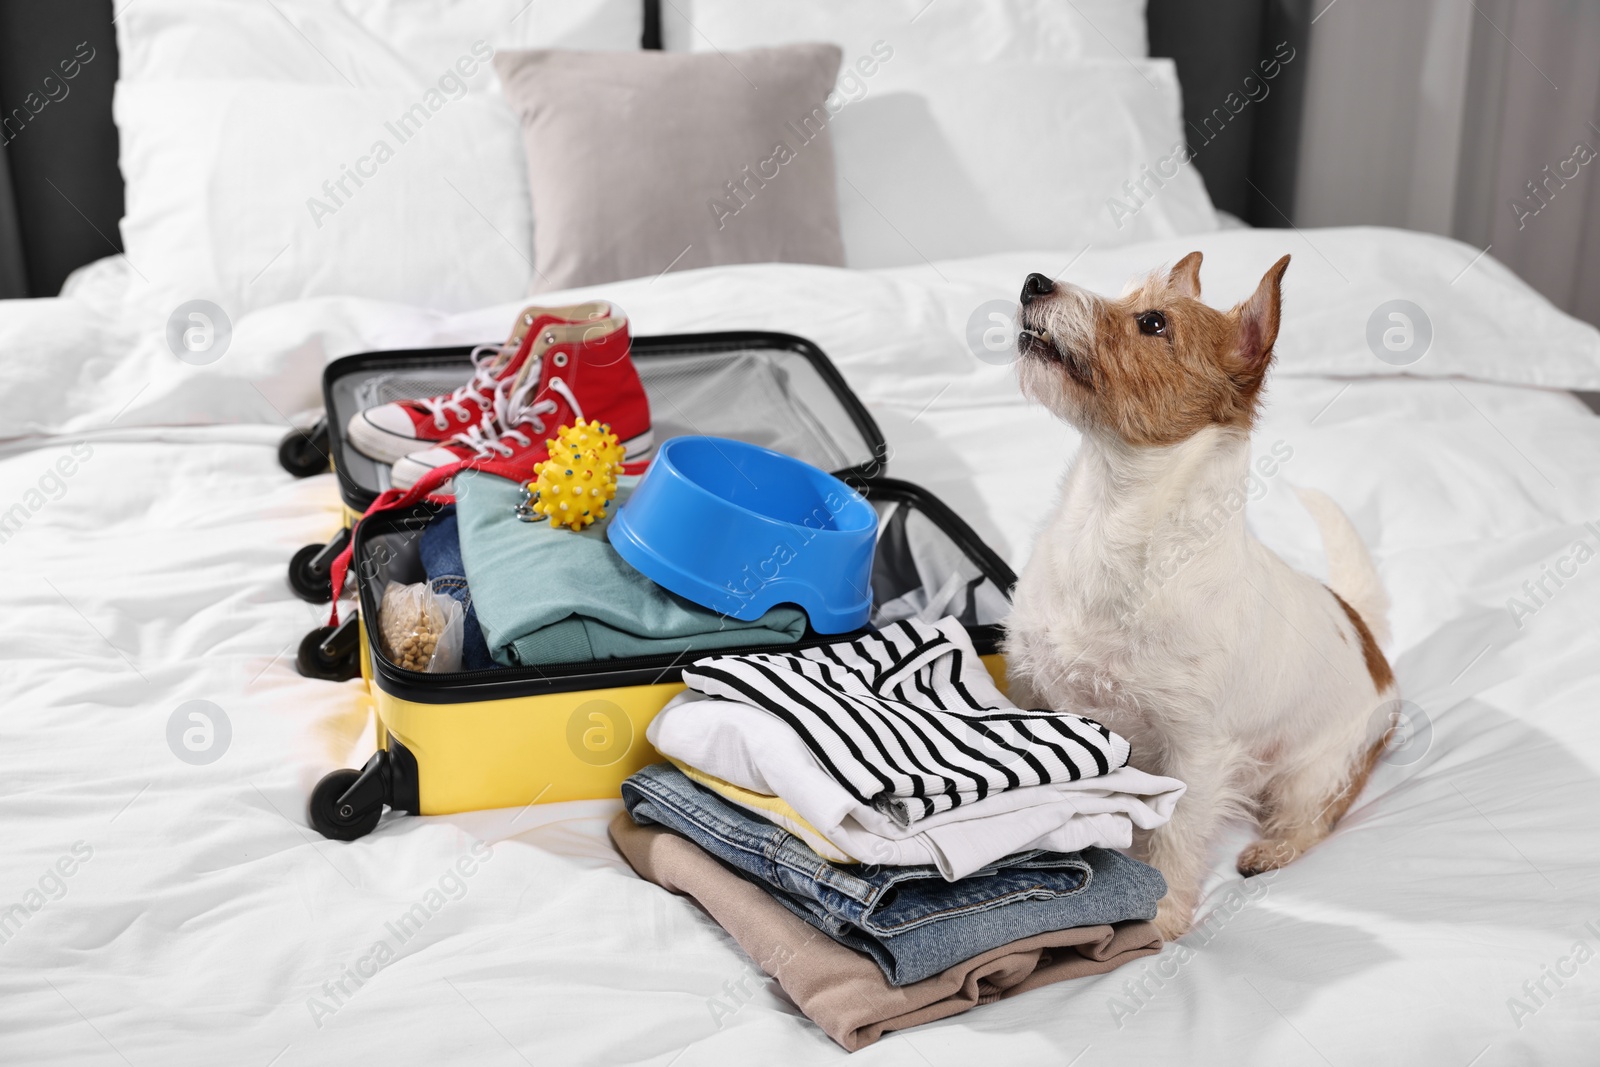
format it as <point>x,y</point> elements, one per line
<point>481,388</point>
<point>512,411</point>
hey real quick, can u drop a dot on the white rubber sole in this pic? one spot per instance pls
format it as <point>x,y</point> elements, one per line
<point>408,474</point>
<point>377,443</point>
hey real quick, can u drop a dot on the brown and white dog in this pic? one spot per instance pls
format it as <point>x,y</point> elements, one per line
<point>1148,606</point>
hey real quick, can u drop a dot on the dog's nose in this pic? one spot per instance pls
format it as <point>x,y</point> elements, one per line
<point>1037,285</point>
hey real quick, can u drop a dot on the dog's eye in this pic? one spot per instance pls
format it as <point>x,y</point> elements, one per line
<point>1153,323</point>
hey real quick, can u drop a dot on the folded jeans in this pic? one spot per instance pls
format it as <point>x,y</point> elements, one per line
<point>771,808</point>
<point>842,991</point>
<point>910,920</point>
<point>440,549</point>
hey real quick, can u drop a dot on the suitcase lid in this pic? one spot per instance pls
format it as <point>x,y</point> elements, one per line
<point>928,560</point>
<point>771,389</point>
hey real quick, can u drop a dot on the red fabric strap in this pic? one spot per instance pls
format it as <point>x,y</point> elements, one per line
<point>392,500</point>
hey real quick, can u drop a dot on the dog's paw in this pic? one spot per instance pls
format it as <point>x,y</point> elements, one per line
<point>1266,855</point>
<point>1172,919</point>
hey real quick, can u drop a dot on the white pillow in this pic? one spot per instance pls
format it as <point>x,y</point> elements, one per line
<point>253,193</point>
<point>219,179</point>
<point>353,43</point>
<point>919,31</point>
<point>1010,157</point>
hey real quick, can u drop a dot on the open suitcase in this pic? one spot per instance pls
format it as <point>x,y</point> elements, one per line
<point>770,389</point>
<point>511,737</point>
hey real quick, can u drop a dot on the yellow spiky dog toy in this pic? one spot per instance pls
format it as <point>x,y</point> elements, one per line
<point>580,477</point>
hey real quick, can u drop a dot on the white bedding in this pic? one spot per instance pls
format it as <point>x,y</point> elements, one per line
<point>207,917</point>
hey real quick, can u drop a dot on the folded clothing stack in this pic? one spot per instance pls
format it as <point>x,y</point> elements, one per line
<point>544,594</point>
<point>844,991</point>
<point>898,748</point>
<point>883,792</point>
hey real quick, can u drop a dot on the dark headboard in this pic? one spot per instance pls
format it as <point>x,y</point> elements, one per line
<point>1246,137</point>
<point>61,191</point>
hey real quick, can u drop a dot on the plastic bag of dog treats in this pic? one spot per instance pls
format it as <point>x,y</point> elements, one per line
<point>422,629</point>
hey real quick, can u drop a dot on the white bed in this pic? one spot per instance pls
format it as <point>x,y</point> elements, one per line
<point>157,909</point>
<point>207,916</point>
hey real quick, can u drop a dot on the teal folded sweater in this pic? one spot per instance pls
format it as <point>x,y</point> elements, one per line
<point>551,595</point>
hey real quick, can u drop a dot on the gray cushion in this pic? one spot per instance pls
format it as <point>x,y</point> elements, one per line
<point>641,161</point>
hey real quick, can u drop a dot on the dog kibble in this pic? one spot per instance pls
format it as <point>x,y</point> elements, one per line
<point>410,631</point>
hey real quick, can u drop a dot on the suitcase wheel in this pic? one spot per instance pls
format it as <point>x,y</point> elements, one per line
<point>337,816</point>
<point>330,653</point>
<point>304,580</point>
<point>311,569</point>
<point>305,452</point>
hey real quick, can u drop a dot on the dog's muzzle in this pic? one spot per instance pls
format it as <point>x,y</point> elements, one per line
<point>1033,342</point>
<point>1039,343</point>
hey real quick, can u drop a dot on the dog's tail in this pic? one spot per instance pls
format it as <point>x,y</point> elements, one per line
<point>1350,570</point>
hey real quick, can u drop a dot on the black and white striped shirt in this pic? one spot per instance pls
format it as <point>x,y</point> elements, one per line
<point>909,721</point>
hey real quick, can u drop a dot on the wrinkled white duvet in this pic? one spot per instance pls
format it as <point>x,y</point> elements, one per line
<point>157,911</point>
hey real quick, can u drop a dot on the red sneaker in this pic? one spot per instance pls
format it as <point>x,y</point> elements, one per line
<point>391,431</point>
<point>583,371</point>
<point>573,371</point>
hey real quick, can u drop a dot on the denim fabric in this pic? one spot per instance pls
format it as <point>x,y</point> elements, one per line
<point>440,547</point>
<point>911,921</point>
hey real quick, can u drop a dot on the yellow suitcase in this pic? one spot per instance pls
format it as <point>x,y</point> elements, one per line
<point>516,736</point>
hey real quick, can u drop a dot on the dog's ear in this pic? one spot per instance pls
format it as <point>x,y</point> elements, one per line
<point>1185,277</point>
<point>1258,318</point>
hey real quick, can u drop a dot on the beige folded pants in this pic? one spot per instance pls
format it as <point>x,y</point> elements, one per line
<point>842,990</point>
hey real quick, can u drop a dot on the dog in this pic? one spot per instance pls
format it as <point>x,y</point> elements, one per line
<point>1149,607</point>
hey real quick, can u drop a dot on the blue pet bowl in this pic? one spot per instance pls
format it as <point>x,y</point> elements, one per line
<point>741,529</point>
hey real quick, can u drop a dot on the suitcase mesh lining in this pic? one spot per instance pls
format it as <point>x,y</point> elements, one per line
<point>766,396</point>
